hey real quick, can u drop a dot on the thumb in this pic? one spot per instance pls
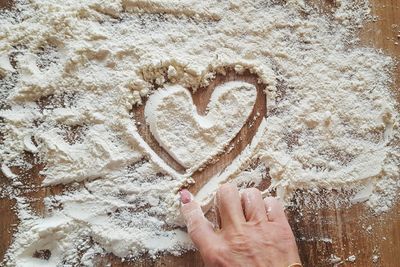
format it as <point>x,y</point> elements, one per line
<point>199,228</point>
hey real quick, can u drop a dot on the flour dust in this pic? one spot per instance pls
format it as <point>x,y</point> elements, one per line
<point>71,71</point>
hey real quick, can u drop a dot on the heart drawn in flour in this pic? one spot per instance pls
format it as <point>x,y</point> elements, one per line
<point>201,134</point>
<point>192,139</point>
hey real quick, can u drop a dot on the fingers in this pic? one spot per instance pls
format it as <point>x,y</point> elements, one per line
<point>199,228</point>
<point>229,206</point>
<point>275,210</point>
<point>253,205</point>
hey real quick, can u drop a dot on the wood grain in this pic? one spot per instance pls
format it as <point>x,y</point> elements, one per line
<point>8,219</point>
<point>321,229</point>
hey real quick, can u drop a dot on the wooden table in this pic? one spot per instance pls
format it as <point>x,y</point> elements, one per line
<point>322,233</point>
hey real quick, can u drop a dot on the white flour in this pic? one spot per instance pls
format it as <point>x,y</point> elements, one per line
<point>193,139</point>
<point>71,71</point>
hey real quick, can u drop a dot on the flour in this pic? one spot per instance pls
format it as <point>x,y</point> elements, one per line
<point>351,258</point>
<point>72,71</point>
<point>193,139</point>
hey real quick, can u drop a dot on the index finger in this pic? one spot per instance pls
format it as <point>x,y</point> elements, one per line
<point>199,228</point>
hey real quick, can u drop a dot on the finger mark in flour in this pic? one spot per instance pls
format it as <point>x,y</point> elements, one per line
<point>43,254</point>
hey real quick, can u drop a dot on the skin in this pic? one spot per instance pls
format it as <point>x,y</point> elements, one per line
<point>253,231</point>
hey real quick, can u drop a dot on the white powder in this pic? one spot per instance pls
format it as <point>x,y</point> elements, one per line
<point>193,139</point>
<point>375,258</point>
<point>80,66</point>
<point>335,260</point>
<point>351,258</point>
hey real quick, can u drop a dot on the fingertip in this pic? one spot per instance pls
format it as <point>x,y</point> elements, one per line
<point>253,205</point>
<point>275,209</point>
<point>229,205</point>
<point>276,202</point>
<point>227,187</point>
<point>199,228</point>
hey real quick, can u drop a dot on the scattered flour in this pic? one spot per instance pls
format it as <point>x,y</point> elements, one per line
<point>71,71</point>
<point>351,258</point>
<point>375,258</point>
<point>335,260</point>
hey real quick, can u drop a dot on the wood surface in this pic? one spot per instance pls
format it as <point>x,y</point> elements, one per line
<point>322,229</point>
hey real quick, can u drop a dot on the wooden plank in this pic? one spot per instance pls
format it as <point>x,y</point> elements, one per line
<point>8,219</point>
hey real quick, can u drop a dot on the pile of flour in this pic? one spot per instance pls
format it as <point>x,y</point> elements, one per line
<point>71,71</point>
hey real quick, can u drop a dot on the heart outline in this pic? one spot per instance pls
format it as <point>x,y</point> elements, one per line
<point>255,123</point>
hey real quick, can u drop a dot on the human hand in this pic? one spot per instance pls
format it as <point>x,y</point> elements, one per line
<point>253,231</point>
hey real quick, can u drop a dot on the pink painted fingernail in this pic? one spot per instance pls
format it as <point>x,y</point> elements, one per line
<point>186,196</point>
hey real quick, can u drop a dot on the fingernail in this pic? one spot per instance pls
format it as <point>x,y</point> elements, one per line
<point>186,196</point>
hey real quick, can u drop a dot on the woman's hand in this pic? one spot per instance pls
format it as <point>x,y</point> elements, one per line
<point>253,231</point>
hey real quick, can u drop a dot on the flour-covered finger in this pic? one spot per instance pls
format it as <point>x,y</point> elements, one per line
<point>229,206</point>
<point>199,228</point>
<point>253,205</point>
<point>275,210</point>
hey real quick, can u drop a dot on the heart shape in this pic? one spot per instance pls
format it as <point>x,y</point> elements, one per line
<point>168,137</point>
<point>192,139</point>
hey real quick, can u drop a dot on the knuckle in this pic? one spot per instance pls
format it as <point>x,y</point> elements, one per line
<point>194,227</point>
<point>283,234</point>
<point>257,224</point>
<point>244,248</point>
<point>193,217</point>
<point>241,247</point>
<point>240,242</point>
<point>249,193</point>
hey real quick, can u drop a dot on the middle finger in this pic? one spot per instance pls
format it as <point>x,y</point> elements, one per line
<point>229,206</point>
